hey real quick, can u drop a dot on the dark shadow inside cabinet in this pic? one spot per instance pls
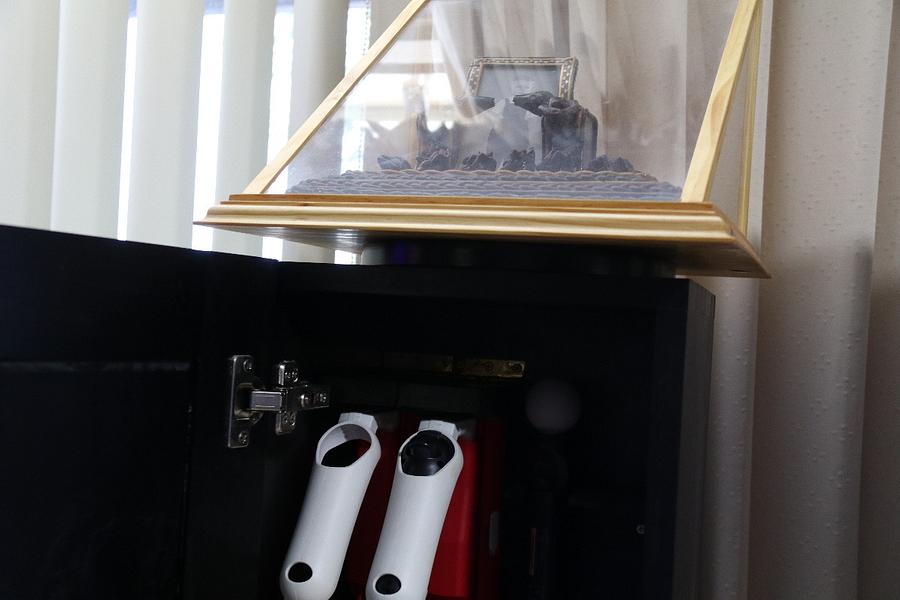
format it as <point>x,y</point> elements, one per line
<point>588,393</point>
<point>581,397</point>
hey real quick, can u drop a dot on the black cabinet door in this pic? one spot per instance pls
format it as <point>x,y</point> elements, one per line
<point>116,480</point>
<point>111,387</point>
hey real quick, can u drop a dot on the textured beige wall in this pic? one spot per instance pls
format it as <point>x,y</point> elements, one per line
<point>826,110</point>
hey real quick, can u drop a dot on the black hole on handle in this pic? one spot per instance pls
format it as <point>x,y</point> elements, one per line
<point>346,454</point>
<point>387,585</point>
<point>300,572</point>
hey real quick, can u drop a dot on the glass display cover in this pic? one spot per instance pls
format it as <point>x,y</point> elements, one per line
<point>619,123</point>
<point>528,99</point>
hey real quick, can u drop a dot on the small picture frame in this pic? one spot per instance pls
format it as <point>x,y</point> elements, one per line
<point>503,78</point>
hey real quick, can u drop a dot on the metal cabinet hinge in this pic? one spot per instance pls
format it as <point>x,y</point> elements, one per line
<point>248,399</point>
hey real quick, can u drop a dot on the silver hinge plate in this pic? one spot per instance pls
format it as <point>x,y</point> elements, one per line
<point>248,400</point>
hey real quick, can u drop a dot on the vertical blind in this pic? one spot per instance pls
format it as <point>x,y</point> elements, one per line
<point>29,39</point>
<point>130,119</point>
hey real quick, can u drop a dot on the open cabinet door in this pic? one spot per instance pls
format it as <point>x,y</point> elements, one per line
<point>112,411</point>
<point>118,481</point>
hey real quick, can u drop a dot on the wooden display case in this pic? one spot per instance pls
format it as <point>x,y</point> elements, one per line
<point>696,221</point>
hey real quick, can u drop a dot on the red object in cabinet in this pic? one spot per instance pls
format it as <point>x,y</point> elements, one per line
<point>452,574</point>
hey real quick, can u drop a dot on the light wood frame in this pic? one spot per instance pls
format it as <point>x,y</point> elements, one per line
<point>699,180</point>
<point>683,234</point>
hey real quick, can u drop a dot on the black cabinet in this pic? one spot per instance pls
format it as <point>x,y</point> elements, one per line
<point>117,482</point>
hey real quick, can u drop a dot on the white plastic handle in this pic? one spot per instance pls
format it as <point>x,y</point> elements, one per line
<point>316,555</point>
<point>413,523</point>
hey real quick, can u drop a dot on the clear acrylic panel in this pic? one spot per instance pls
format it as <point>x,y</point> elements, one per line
<point>589,99</point>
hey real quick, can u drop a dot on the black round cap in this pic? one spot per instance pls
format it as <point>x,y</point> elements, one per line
<point>300,572</point>
<point>426,453</point>
<point>387,585</point>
